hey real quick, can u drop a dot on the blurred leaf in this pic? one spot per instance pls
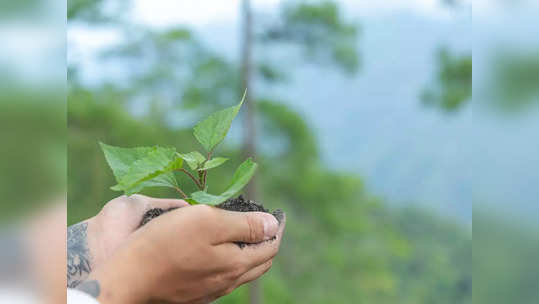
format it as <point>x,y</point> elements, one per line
<point>322,32</point>
<point>212,163</point>
<point>515,80</point>
<point>241,177</point>
<point>177,34</point>
<point>270,73</point>
<point>453,88</point>
<point>194,159</point>
<point>211,131</point>
<point>85,9</point>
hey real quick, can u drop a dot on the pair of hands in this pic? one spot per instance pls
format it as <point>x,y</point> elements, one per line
<point>187,255</point>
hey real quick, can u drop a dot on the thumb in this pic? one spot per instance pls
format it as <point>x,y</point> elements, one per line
<point>247,227</point>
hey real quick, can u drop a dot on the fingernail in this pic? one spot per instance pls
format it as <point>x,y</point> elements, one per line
<point>271,225</point>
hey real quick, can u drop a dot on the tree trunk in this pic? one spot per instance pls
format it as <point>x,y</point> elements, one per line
<point>249,143</point>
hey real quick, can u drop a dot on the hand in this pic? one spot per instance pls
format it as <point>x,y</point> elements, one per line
<point>188,255</point>
<point>119,218</point>
<point>92,242</point>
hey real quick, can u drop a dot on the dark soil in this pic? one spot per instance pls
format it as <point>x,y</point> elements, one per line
<point>234,204</point>
<point>153,213</point>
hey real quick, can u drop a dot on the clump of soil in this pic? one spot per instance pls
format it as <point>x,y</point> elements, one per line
<point>153,213</point>
<point>234,204</point>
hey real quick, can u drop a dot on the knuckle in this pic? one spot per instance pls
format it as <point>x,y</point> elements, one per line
<point>256,231</point>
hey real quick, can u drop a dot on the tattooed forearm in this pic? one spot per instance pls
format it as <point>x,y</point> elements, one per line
<point>90,287</point>
<point>78,256</point>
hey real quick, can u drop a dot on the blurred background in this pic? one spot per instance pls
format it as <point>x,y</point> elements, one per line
<point>33,138</point>
<point>360,114</point>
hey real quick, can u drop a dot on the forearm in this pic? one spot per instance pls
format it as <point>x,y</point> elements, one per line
<point>121,279</point>
<point>78,254</point>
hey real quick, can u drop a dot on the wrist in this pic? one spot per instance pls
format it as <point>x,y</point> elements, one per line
<point>95,244</point>
<point>123,279</point>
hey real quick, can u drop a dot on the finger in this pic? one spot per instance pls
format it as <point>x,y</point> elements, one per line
<point>254,255</point>
<point>144,203</point>
<point>245,227</point>
<point>167,203</point>
<point>249,276</point>
<point>254,273</point>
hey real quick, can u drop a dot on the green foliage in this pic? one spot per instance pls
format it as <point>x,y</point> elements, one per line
<point>83,9</point>
<point>142,167</point>
<point>193,159</point>
<point>241,177</point>
<point>454,86</point>
<point>515,81</point>
<point>269,73</point>
<point>211,131</point>
<point>31,120</point>
<point>321,31</point>
<point>136,168</point>
<point>504,256</point>
<point>213,163</point>
<point>198,162</point>
<point>177,34</point>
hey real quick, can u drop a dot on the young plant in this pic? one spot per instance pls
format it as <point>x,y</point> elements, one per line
<point>142,167</point>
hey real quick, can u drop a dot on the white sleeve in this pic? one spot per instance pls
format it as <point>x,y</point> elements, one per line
<point>75,296</point>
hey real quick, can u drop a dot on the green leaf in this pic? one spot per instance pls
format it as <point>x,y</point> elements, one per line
<point>156,162</point>
<point>121,159</point>
<point>194,159</point>
<point>163,180</point>
<point>191,201</point>
<point>137,168</point>
<point>241,177</point>
<point>211,131</point>
<point>212,163</point>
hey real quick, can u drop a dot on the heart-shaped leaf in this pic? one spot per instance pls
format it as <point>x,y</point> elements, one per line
<point>211,131</point>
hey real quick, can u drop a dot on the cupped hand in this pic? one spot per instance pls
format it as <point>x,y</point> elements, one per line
<point>189,255</point>
<point>117,220</point>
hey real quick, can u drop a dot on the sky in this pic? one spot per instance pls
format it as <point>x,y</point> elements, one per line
<point>160,13</point>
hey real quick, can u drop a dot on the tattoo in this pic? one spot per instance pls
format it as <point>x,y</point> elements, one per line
<point>78,256</point>
<point>90,287</point>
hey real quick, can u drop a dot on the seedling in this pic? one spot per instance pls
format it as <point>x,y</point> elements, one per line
<point>142,167</point>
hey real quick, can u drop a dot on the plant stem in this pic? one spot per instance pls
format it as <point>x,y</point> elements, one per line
<point>193,178</point>
<point>181,192</point>
<point>205,174</point>
<point>200,175</point>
